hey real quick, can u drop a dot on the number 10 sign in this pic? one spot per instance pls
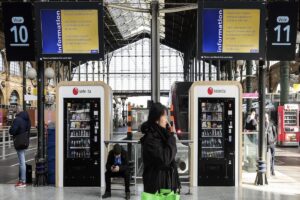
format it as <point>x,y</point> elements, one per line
<point>18,30</point>
<point>282,30</point>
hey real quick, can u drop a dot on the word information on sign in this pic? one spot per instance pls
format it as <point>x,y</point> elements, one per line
<point>70,31</point>
<point>231,30</point>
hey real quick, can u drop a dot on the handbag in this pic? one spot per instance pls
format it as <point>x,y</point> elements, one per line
<point>21,141</point>
<point>164,194</point>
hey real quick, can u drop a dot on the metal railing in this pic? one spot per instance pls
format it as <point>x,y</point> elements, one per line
<point>135,144</point>
<point>6,140</point>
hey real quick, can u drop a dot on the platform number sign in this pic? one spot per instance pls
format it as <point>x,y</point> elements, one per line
<point>18,30</point>
<point>282,30</point>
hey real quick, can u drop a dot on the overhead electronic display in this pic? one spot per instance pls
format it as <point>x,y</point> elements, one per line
<point>70,31</point>
<point>231,30</point>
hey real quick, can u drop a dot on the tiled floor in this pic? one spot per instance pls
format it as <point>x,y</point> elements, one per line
<point>8,192</point>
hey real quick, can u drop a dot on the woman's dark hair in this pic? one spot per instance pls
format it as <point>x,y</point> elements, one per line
<point>156,111</point>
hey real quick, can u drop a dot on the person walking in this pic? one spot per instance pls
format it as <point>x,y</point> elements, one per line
<point>20,130</point>
<point>271,140</point>
<point>159,151</point>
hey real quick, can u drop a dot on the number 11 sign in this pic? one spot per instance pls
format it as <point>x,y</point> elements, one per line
<point>18,30</point>
<point>282,30</point>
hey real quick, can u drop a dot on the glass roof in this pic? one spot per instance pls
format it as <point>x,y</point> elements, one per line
<point>132,23</point>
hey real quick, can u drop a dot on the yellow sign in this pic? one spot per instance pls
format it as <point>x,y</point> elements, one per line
<point>296,87</point>
<point>241,30</point>
<point>80,31</point>
<point>34,91</point>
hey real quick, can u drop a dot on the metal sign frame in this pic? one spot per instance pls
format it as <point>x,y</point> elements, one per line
<point>232,5</point>
<point>282,30</point>
<point>70,6</point>
<point>18,31</point>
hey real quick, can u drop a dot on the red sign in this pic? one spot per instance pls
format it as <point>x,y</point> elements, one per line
<point>75,91</point>
<point>210,90</point>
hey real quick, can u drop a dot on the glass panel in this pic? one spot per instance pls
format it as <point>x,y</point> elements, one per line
<point>78,132</point>
<point>212,132</point>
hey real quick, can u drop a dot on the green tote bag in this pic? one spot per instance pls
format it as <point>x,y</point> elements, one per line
<point>164,194</point>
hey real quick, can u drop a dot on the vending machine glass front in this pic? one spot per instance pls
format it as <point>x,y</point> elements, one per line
<point>82,142</point>
<point>216,141</point>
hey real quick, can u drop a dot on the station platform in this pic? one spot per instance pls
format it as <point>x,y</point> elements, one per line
<point>285,185</point>
<point>8,192</point>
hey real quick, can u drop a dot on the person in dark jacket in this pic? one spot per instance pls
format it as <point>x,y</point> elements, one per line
<point>159,151</point>
<point>251,122</point>
<point>21,125</point>
<point>117,166</point>
<point>271,133</point>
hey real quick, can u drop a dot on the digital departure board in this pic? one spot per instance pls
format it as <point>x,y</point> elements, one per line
<point>231,30</point>
<point>70,31</point>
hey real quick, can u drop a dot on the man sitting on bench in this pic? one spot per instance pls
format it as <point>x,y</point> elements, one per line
<point>117,166</point>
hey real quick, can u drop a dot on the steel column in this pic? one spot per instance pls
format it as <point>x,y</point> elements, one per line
<point>209,70</point>
<point>195,67</point>
<point>203,66</point>
<point>218,69</point>
<point>155,52</point>
<point>199,66</point>
<point>284,82</point>
<point>229,71</point>
<point>261,177</point>
<point>248,83</point>
<point>40,108</point>
<point>24,85</point>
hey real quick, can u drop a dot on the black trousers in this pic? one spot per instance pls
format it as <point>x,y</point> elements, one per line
<point>125,174</point>
<point>272,149</point>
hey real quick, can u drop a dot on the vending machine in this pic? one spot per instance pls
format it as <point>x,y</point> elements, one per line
<point>288,125</point>
<point>215,126</point>
<point>83,123</point>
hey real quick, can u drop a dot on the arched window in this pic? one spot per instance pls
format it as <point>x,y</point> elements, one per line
<point>1,63</point>
<point>15,68</point>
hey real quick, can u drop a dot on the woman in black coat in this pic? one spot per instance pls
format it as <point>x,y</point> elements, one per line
<point>159,151</point>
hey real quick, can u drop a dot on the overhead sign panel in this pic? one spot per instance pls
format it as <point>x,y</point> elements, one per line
<point>70,31</point>
<point>282,30</point>
<point>231,30</point>
<point>18,31</point>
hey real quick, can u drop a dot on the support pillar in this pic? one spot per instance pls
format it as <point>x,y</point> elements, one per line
<point>199,67</point>
<point>284,82</point>
<point>209,70</point>
<point>155,54</point>
<point>248,83</point>
<point>261,177</point>
<point>203,66</point>
<point>229,71</point>
<point>24,85</point>
<point>40,160</point>
<point>218,69</point>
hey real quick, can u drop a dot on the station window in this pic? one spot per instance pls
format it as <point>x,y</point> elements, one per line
<point>1,63</point>
<point>130,67</point>
<point>15,68</point>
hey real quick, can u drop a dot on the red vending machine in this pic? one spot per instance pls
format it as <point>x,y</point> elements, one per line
<point>288,125</point>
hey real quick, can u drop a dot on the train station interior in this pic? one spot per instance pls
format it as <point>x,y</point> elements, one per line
<point>149,100</point>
